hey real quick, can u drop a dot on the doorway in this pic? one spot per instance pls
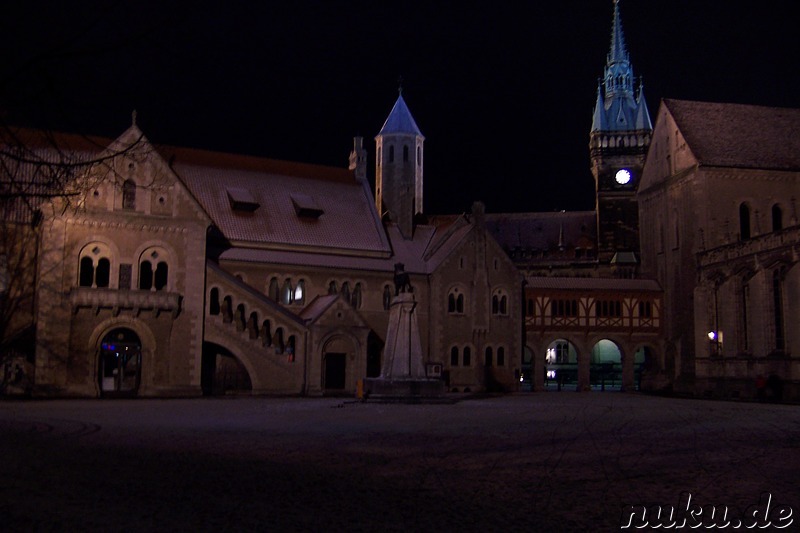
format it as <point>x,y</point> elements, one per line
<point>335,365</point>
<point>120,363</point>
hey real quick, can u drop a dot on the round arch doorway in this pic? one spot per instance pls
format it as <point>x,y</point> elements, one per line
<point>120,363</point>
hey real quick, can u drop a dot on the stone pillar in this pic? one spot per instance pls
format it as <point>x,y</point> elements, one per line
<point>584,369</point>
<point>402,354</point>
<point>628,374</point>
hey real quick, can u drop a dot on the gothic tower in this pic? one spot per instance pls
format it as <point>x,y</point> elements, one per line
<point>618,143</point>
<point>398,168</point>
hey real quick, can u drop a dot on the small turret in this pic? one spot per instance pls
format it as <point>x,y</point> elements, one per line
<point>398,168</point>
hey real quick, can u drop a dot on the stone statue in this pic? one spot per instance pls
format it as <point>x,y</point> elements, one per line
<point>402,282</point>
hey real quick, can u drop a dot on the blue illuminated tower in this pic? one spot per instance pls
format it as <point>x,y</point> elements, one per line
<point>618,143</point>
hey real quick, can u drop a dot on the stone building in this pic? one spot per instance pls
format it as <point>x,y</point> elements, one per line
<point>719,233</point>
<point>181,272</point>
<point>590,323</point>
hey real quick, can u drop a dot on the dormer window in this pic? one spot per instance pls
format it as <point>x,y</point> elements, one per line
<point>306,206</point>
<point>242,200</point>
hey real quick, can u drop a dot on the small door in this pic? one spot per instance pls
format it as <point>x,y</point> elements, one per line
<point>335,365</point>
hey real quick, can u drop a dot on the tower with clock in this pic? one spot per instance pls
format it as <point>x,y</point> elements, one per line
<point>618,142</point>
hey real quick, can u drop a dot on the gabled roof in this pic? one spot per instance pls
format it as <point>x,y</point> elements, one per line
<point>422,254</point>
<point>37,165</point>
<point>258,202</point>
<point>739,135</point>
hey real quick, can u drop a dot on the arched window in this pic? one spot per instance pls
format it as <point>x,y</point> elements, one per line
<point>300,292</point>
<point>744,222</point>
<point>387,297</point>
<point>213,306</point>
<point>86,275</point>
<point>252,325</point>
<point>489,356</point>
<point>238,317</point>
<point>499,302</point>
<point>777,218</point>
<point>454,356</point>
<point>154,270</point>
<point>279,345</point>
<point>332,288</point>
<point>501,356</point>
<point>777,308</point>
<point>266,334</point>
<point>391,154</point>
<point>455,301</point>
<point>227,310</point>
<point>273,292</point>
<point>355,300</point>
<point>94,268</point>
<point>346,291</point>
<point>287,292</point>
<point>467,359</point>
<point>129,195</point>
<point>419,156</point>
<point>405,153</point>
<point>290,347</point>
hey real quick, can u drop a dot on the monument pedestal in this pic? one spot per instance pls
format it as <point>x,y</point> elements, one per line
<point>403,377</point>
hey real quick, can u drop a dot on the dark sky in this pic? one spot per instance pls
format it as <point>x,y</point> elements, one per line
<point>502,91</point>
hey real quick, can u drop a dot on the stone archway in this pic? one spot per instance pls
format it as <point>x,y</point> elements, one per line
<point>561,366</point>
<point>336,353</point>
<point>222,372</point>
<point>605,371</point>
<point>120,363</point>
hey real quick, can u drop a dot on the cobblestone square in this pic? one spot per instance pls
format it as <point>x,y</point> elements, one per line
<point>528,462</point>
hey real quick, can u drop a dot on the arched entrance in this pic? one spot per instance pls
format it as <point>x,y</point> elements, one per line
<point>374,350</point>
<point>334,364</point>
<point>222,373</point>
<point>605,371</point>
<point>120,363</point>
<point>561,366</point>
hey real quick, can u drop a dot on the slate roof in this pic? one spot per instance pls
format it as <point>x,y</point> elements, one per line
<point>541,231</point>
<point>272,200</point>
<point>420,255</point>
<point>592,284</point>
<point>36,165</point>
<point>400,120</point>
<point>739,135</point>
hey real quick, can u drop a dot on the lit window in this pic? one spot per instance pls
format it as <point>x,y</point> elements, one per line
<point>299,292</point>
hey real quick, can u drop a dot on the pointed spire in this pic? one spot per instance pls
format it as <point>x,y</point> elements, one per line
<point>400,119</point>
<point>618,51</point>
<point>599,117</point>
<point>643,117</point>
<point>618,107</point>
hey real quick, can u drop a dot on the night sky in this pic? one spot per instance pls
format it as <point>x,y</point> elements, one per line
<point>502,91</point>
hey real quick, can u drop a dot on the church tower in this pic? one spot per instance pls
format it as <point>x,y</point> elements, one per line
<point>398,168</point>
<point>618,143</point>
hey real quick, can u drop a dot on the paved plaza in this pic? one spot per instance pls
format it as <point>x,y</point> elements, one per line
<point>526,462</point>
